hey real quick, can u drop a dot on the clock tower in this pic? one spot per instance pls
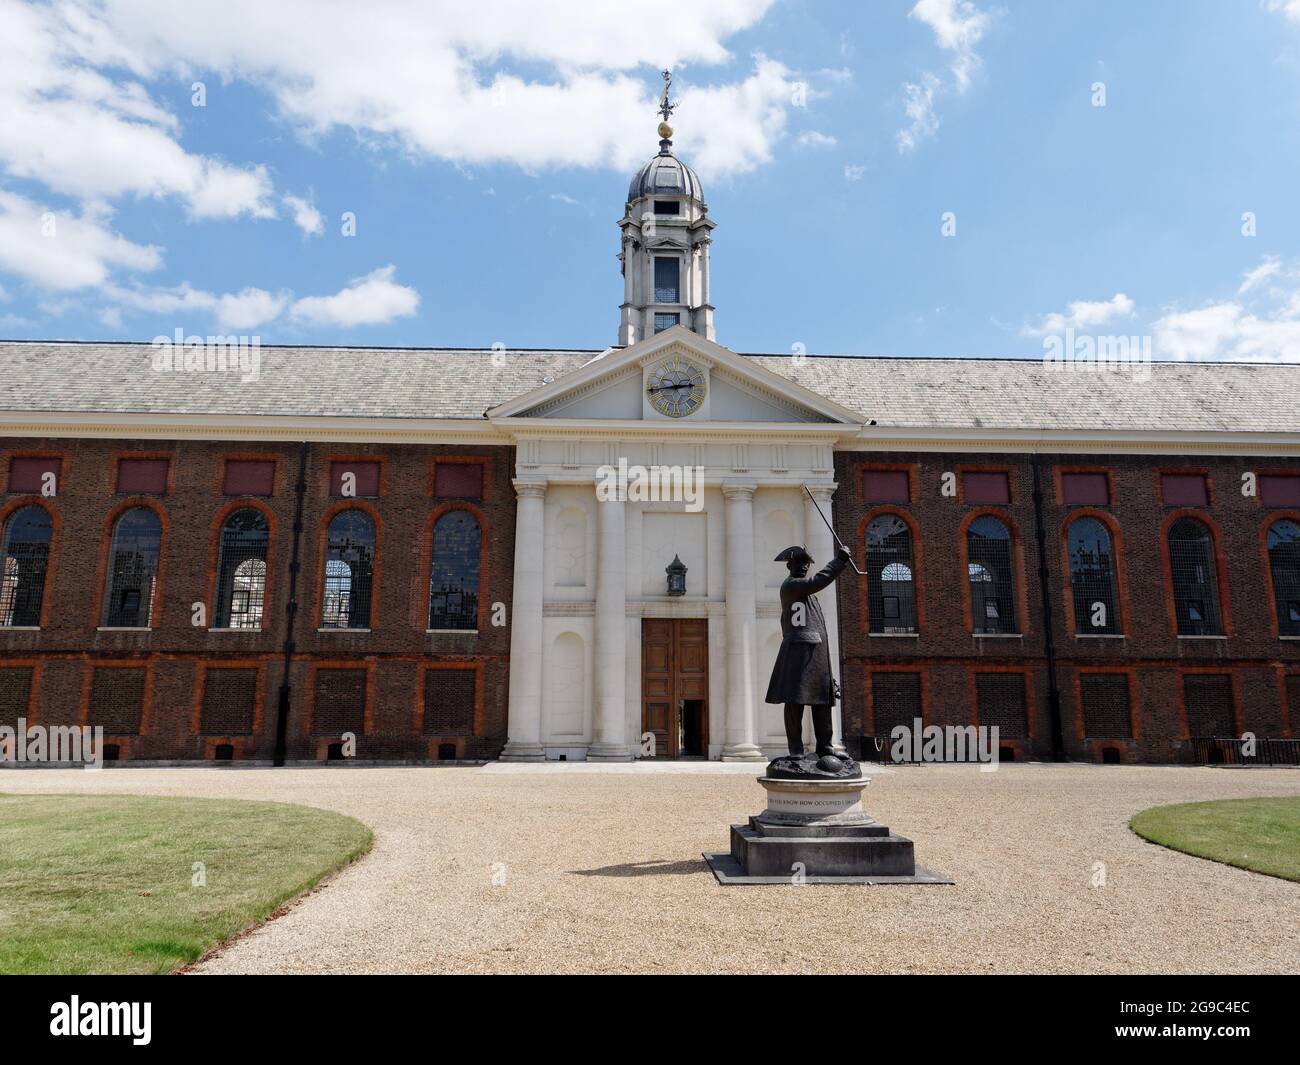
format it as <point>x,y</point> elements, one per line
<point>666,233</point>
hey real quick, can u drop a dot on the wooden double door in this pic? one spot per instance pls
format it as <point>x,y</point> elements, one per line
<point>675,686</point>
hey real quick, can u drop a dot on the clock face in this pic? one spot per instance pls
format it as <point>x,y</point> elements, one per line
<point>676,387</point>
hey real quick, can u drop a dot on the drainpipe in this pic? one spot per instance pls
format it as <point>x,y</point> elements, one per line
<point>1045,593</point>
<point>291,609</point>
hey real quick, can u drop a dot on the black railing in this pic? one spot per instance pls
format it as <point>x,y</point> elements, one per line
<point>1229,750</point>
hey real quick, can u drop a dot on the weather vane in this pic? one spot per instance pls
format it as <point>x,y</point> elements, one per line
<point>665,108</point>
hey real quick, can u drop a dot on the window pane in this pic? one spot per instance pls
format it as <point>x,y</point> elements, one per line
<point>24,557</point>
<point>132,570</point>
<point>891,596</point>
<point>1092,578</point>
<point>1195,579</point>
<point>992,585</point>
<point>349,568</point>
<point>241,571</point>
<point>666,321</point>
<point>1284,566</point>
<point>667,279</point>
<point>453,583</point>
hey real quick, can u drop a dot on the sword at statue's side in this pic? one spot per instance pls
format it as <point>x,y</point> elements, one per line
<point>833,532</point>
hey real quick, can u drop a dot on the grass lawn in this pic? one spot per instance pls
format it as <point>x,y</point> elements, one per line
<point>1262,835</point>
<point>106,884</point>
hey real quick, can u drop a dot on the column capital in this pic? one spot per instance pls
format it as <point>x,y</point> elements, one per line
<point>531,489</point>
<point>822,492</point>
<point>739,490</point>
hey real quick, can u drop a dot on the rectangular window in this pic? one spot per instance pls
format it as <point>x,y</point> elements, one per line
<point>666,321</point>
<point>28,475</point>
<point>986,488</point>
<point>1085,489</point>
<point>1279,490</point>
<point>358,479</point>
<point>1208,700</point>
<point>458,480</point>
<point>229,698</point>
<point>895,700</point>
<point>666,207</point>
<point>1293,699</point>
<point>1000,701</point>
<point>142,476</point>
<point>15,694</point>
<point>116,700</point>
<point>667,279</point>
<point>449,696</point>
<point>340,702</point>
<point>1184,489</point>
<point>249,478</point>
<point>1105,698</point>
<point>885,486</point>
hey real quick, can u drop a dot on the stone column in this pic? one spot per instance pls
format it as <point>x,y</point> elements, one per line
<point>609,739</point>
<point>741,695</point>
<point>821,545</point>
<point>524,732</point>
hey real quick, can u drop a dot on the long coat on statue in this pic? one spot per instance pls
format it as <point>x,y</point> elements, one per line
<point>802,673</point>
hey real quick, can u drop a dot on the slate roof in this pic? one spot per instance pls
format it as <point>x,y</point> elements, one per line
<point>424,383</point>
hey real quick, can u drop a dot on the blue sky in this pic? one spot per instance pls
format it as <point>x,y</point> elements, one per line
<point>485,152</point>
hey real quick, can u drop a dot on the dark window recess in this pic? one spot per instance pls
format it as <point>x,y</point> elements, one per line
<point>1085,489</point>
<point>991,577</point>
<point>249,478</point>
<point>666,321</point>
<point>446,752</point>
<point>1105,698</point>
<point>1110,756</point>
<point>449,696</point>
<point>349,569</point>
<point>1184,489</point>
<point>223,752</point>
<point>15,693</point>
<point>891,590</point>
<point>142,476</point>
<point>453,582</point>
<point>1293,699</point>
<point>1208,699</point>
<point>24,556</point>
<point>27,475</point>
<point>895,700</point>
<point>1284,566</point>
<point>1000,701</point>
<point>1195,579</point>
<point>364,481</point>
<point>666,207</point>
<point>885,486</point>
<point>132,570</point>
<point>241,571</point>
<point>668,286</point>
<point>1279,490</point>
<point>986,488</point>
<point>458,480</point>
<point>116,700</point>
<point>112,752</point>
<point>340,702</point>
<point>1092,579</point>
<point>229,698</point>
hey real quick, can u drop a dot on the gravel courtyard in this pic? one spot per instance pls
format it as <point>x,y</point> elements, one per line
<point>602,873</point>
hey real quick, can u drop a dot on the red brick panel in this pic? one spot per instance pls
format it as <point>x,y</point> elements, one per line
<point>142,476</point>
<point>249,478</point>
<point>366,476</point>
<point>28,474</point>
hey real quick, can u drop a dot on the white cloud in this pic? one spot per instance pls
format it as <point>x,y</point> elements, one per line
<point>1261,325</point>
<point>371,300</point>
<point>1269,266</point>
<point>1289,8</point>
<point>919,108</point>
<point>811,138</point>
<point>568,201</point>
<point>854,172</point>
<point>305,215</point>
<point>246,309</point>
<point>958,26</point>
<point>1082,315</point>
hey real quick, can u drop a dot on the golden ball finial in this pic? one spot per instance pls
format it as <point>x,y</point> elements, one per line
<point>665,130</point>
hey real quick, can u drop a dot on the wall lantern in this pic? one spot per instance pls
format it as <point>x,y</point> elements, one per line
<point>676,571</point>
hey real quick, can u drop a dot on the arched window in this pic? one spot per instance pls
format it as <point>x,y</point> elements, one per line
<point>241,571</point>
<point>349,564</point>
<point>26,554</point>
<point>1092,579</point>
<point>1195,579</point>
<point>1284,564</point>
<point>992,579</point>
<point>891,592</point>
<point>453,580</point>
<point>132,570</point>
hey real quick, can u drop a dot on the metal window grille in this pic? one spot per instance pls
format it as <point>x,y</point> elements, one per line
<point>229,697</point>
<point>895,700</point>
<point>340,702</point>
<point>241,571</point>
<point>453,583</point>
<point>1293,699</point>
<point>133,569</point>
<point>1196,586</point>
<point>449,696</point>
<point>117,700</point>
<point>667,279</point>
<point>349,570</point>
<point>1000,701</point>
<point>1105,698</point>
<point>1284,564</point>
<point>15,693</point>
<point>1092,578</point>
<point>24,557</point>
<point>891,591</point>
<point>992,583</point>
<point>1208,699</point>
<point>666,321</point>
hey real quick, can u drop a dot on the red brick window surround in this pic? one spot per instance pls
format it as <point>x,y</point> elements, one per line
<point>458,480</point>
<point>117,699</point>
<point>365,479</point>
<point>885,486</point>
<point>1279,489</point>
<point>449,700</point>
<point>142,476</point>
<point>249,477</point>
<point>1085,489</point>
<point>1184,490</point>
<point>27,475</point>
<point>986,488</point>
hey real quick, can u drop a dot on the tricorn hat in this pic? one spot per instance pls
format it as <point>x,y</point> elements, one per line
<point>794,554</point>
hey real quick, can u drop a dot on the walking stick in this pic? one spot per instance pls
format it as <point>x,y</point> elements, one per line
<point>834,533</point>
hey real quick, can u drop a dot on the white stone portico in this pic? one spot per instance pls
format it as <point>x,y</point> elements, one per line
<point>589,572</point>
